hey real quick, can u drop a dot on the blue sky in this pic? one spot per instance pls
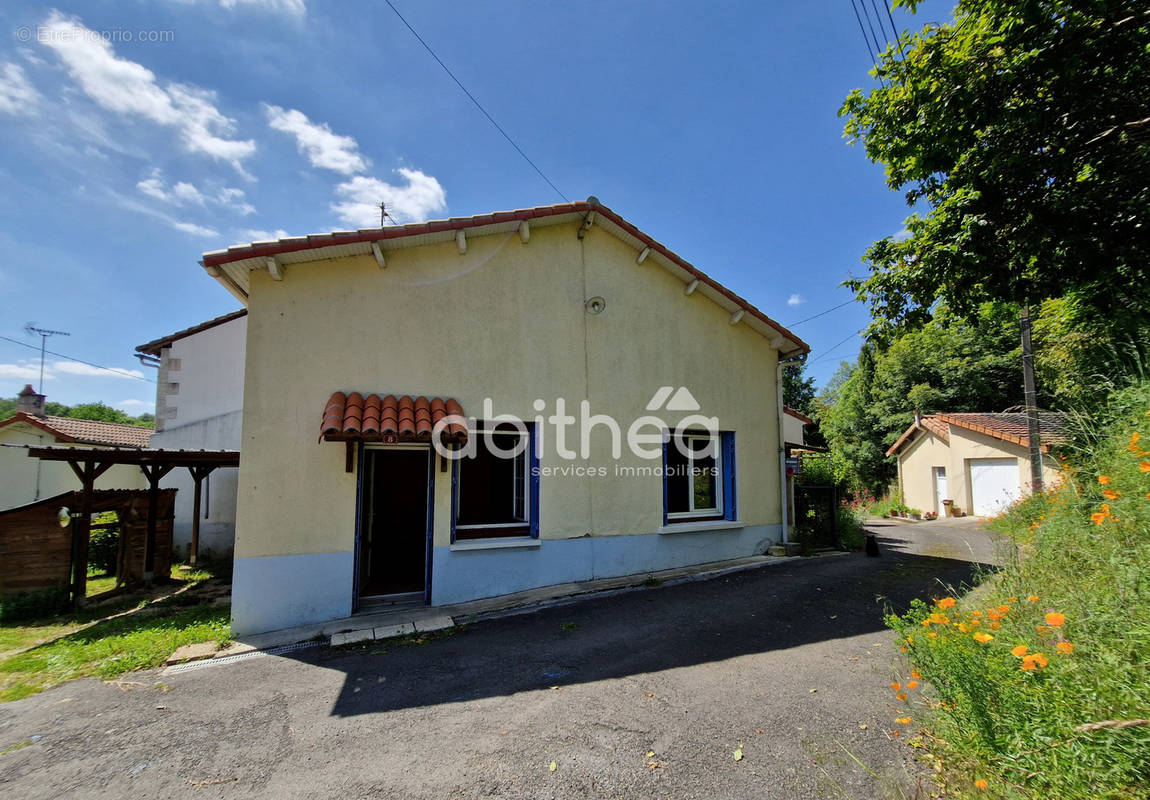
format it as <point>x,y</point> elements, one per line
<point>713,127</point>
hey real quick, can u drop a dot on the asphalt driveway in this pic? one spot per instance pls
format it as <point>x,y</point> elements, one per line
<point>789,664</point>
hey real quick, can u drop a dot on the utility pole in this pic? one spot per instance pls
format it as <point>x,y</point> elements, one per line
<point>1031,398</point>
<point>43,333</point>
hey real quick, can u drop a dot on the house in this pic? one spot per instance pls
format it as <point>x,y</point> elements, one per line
<point>199,406</point>
<point>460,409</point>
<point>25,480</point>
<point>980,462</point>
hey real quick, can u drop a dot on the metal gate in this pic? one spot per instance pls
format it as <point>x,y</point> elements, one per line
<point>816,517</point>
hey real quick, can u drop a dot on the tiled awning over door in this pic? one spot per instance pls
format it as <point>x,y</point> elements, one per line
<point>388,419</point>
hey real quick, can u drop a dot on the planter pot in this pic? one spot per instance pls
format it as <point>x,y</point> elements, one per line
<point>955,512</point>
<point>916,516</point>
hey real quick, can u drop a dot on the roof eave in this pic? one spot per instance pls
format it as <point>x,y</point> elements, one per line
<point>784,341</point>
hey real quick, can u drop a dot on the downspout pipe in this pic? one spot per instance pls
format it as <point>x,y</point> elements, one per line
<point>783,505</point>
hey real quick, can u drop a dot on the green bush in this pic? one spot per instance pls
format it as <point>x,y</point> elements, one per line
<point>103,551</point>
<point>852,536</point>
<point>1058,641</point>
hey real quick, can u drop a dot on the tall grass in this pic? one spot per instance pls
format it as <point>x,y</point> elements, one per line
<point>1026,666</point>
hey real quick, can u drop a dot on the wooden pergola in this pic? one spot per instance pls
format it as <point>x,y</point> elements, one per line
<point>90,463</point>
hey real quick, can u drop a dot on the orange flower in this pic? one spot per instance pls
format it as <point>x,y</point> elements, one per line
<point>981,784</point>
<point>900,696</point>
<point>946,602</point>
<point>983,637</point>
<point>1032,598</point>
<point>1065,647</point>
<point>1098,517</point>
<point>1055,620</point>
<point>915,674</point>
<point>995,625</point>
<point>1003,609</point>
<point>976,613</point>
<point>1104,479</point>
<point>1110,494</point>
<point>1019,651</point>
<point>1133,446</point>
<point>902,720</point>
<point>914,684</point>
<point>1144,466</point>
<point>1035,660</point>
<point>896,687</point>
<point>963,627</point>
<point>1012,599</point>
<point>933,635</point>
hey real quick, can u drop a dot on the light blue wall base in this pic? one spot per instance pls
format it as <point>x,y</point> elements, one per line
<point>460,576</point>
<point>275,592</point>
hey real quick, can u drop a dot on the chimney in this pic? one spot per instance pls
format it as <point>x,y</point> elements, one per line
<point>29,402</point>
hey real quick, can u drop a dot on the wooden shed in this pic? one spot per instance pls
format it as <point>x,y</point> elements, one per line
<point>37,553</point>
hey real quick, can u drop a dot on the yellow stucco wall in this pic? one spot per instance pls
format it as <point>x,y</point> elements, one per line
<point>24,480</point>
<point>507,321</point>
<point>916,463</point>
<point>929,451</point>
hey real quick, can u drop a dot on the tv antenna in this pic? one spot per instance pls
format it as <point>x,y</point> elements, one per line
<point>43,333</point>
<point>384,216</point>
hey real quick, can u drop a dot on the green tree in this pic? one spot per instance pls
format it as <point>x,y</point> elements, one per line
<point>949,364</point>
<point>798,390</point>
<point>1023,129</point>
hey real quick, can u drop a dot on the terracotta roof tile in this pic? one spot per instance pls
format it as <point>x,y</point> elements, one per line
<point>86,431</point>
<point>1011,427</point>
<point>348,417</point>
<point>1007,427</point>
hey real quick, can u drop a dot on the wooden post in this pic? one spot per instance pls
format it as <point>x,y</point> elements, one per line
<point>87,472</point>
<point>153,472</point>
<point>198,475</point>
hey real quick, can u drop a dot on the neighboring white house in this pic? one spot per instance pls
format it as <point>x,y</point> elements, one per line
<point>199,402</point>
<point>978,462</point>
<point>25,480</point>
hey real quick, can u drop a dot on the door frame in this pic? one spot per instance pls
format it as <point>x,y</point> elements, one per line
<point>361,495</point>
<point>935,473</point>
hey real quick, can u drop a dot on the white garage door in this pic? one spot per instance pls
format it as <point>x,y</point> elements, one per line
<point>993,484</point>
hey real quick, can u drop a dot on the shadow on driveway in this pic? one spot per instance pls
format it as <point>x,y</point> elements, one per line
<point>769,609</point>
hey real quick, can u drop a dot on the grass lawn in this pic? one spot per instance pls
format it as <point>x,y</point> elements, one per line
<point>120,637</point>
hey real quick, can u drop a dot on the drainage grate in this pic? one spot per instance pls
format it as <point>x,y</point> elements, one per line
<point>214,662</point>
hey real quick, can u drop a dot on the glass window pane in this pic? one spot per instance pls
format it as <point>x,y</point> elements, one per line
<point>704,480</point>
<point>678,481</point>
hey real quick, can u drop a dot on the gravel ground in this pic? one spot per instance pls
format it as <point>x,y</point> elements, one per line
<point>789,664</point>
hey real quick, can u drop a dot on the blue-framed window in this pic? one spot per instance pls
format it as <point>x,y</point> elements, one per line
<point>699,477</point>
<point>495,490</point>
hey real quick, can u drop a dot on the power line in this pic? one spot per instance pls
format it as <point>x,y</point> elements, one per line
<point>870,25</point>
<point>890,17</point>
<point>866,41</point>
<point>878,18</point>
<point>124,373</point>
<point>478,105</point>
<point>827,354</point>
<point>822,313</point>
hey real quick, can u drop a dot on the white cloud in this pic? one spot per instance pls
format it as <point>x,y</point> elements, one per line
<point>24,371</point>
<point>137,406</point>
<point>901,236</point>
<point>17,95</point>
<point>30,371</point>
<point>295,8</point>
<point>184,194</point>
<point>795,300</point>
<point>88,371</point>
<point>128,88</point>
<point>194,229</point>
<point>257,235</point>
<point>322,147</point>
<point>421,196</point>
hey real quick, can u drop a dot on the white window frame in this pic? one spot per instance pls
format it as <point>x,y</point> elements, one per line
<point>520,486</point>
<point>717,457</point>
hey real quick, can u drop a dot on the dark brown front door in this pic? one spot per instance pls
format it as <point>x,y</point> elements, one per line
<point>393,536</point>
